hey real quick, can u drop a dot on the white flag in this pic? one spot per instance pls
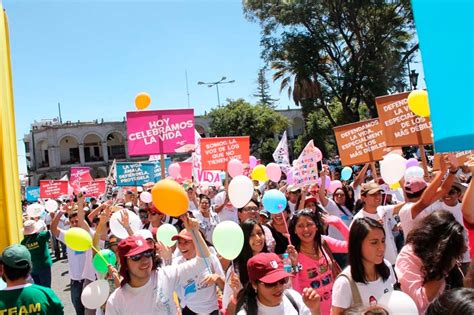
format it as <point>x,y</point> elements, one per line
<point>281,155</point>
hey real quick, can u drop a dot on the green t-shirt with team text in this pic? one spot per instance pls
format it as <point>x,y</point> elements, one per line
<point>37,244</point>
<point>30,299</point>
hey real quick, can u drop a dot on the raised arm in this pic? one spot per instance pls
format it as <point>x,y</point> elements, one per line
<point>468,199</point>
<point>361,176</point>
<point>54,224</point>
<point>322,189</point>
<point>192,225</point>
<point>80,212</point>
<point>101,227</point>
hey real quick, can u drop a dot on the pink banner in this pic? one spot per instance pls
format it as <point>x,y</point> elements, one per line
<point>160,131</point>
<point>93,188</point>
<point>78,175</point>
<point>186,170</point>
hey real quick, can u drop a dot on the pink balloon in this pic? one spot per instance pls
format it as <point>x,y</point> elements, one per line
<point>327,182</point>
<point>273,171</point>
<point>335,184</point>
<point>252,161</point>
<point>174,170</point>
<point>235,168</point>
<point>412,162</point>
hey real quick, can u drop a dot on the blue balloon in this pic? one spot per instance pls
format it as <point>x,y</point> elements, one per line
<point>222,175</point>
<point>274,201</point>
<point>346,173</point>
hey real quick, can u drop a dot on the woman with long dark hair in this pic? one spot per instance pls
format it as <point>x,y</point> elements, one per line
<point>266,291</point>
<point>368,273</point>
<point>254,243</point>
<point>431,251</point>
<point>313,252</point>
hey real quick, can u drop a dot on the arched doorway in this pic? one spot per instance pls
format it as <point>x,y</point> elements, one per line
<point>69,150</point>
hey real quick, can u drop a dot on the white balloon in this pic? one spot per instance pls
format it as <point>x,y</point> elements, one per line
<point>95,294</point>
<point>240,191</point>
<point>51,205</point>
<point>34,210</point>
<point>414,172</point>
<point>398,302</point>
<point>117,228</point>
<point>145,197</point>
<point>392,168</point>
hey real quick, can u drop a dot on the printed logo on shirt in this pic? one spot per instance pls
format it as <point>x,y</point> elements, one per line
<point>372,300</point>
<point>312,273</point>
<point>32,245</point>
<point>190,288</point>
<point>385,291</point>
<point>23,309</point>
<point>78,253</point>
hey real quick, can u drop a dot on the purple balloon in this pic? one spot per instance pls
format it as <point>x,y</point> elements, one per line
<point>327,182</point>
<point>252,161</point>
<point>412,162</point>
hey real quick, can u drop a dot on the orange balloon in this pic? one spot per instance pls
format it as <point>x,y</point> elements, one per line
<point>142,100</point>
<point>170,197</point>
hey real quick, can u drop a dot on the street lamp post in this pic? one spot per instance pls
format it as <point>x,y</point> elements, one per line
<point>216,84</point>
<point>414,79</point>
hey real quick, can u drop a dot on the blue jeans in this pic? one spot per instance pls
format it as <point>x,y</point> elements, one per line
<point>76,291</point>
<point>42,277</point>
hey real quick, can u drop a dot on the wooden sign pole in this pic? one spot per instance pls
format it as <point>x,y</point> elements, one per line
<point>162,164</point>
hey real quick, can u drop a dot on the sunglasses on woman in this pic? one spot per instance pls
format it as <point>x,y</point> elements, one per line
<point>283,281</point>
<point>137,257</point>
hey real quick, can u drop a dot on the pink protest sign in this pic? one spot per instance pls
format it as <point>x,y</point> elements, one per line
<point>160,131</point>
<point>78,175</point>
<point>306,167</point>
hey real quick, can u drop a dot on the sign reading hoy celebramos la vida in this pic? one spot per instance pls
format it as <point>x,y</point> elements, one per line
<point>401,126</point>
<point>360,142</point>
<point>160,131</point>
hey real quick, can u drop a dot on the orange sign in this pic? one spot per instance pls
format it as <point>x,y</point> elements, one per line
<point>216,152</point>
<point>360,142</point>
<point>461,156</point>
<point>401,126</point>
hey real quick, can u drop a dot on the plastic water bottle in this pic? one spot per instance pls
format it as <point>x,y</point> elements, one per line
<point>287,263</point>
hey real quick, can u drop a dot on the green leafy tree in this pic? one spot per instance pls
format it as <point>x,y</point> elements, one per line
<point>263,90</point>
<point>260,122</point>
<point>344,51</point>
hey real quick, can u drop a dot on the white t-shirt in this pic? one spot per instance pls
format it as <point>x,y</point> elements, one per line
<point>370,293</point>
<point>407,222</point>
<point>75,260</point>
<point>457,213</point>
<point>333,209</point>
<point>156,296</point>
<point>207,225</point>
<point>384,213</point>
<point>285,307</point>
<point>193,294</point>
<point>292,206</point>
<point>229,212</point>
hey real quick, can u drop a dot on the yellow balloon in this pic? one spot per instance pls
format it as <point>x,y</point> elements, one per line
<point>170,197</point>
<point>259,173</point>
<point>78,239</point>
<point>142,100</point>
<point>395,186</point>
<point>418,103</point>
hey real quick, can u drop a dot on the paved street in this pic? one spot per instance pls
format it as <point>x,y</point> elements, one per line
<point>60,284</point>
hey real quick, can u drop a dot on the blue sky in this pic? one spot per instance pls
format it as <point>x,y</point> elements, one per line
<point>94,57</point>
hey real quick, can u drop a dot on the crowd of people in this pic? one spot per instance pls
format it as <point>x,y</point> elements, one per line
<point>328,252</point>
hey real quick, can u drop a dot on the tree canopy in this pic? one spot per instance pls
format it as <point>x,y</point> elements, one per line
<point>260,122</point>
<point>335,51</point>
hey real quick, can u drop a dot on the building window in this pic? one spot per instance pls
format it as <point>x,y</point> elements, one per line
<point>117,151</point>
<point>73,156</point>
<point>27,147</point>
<point>91,154</point>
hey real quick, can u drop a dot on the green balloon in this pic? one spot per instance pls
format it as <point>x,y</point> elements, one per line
<point>99,263</point>
<point>228,239</point>
<point>165,232</point>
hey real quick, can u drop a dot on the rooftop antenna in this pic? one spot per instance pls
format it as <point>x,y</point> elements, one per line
<point>187,86</point>
<point>60,117</point>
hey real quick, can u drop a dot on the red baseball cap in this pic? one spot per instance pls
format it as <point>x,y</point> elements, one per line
<point>184,234</point>
<point>266,268</point>
<point>133,245</point>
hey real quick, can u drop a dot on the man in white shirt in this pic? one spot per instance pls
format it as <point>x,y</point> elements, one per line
<point>371,194</point>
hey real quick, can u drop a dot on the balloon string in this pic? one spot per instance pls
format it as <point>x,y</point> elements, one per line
<point>101,256</point>
<point>286,227</point>
<point>201,251</point>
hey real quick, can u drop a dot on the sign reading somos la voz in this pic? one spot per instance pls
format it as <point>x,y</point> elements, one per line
<point>360,142</point>
<point>160,131</point>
